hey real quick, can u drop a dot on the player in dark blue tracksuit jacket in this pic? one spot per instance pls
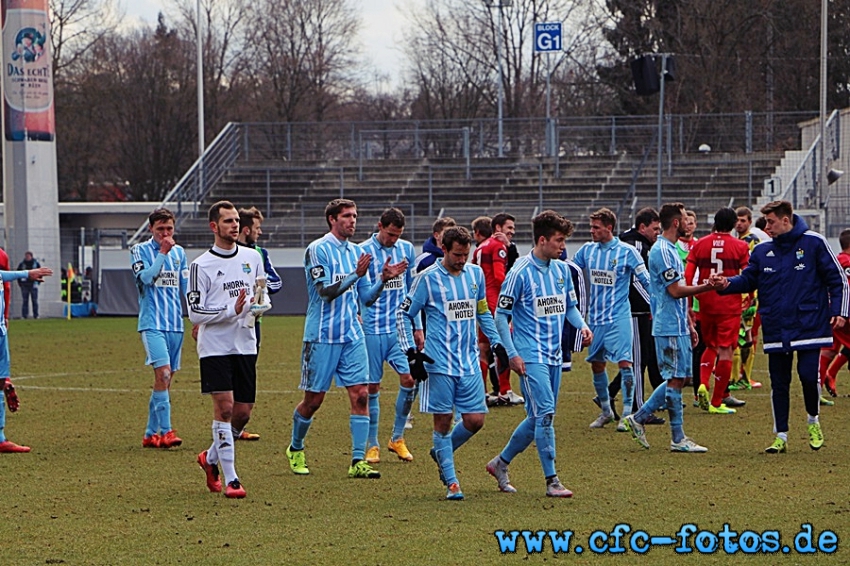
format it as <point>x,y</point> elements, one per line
<point>803,294</point>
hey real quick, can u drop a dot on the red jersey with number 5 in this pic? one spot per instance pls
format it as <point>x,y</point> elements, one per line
<point>492,256</point>
<point>718,253</point>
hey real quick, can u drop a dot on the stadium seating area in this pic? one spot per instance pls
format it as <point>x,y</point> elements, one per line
<point>292,194</point>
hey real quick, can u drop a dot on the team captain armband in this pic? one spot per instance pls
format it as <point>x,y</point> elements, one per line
<point>482,306</point>
<point>506,302</point>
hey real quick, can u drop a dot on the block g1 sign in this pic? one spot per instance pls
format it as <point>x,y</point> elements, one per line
<point>548,37</point>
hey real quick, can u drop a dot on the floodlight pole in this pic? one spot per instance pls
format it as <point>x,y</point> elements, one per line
<point>660,128</point>
<point>822,192</point>
<point>500,4</point>
<point>200,69</point>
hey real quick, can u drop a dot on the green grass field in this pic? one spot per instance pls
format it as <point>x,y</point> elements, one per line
<point>89,494</point>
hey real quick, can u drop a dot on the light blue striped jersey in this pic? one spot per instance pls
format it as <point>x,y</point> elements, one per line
<point>329,261</point>
<point>669,315</point>
<point>162,281</point>
<point>452,304</point>
<point>6,277</point>
<point>537,295</point>
<point>609,268</point>
<point>380,318</point>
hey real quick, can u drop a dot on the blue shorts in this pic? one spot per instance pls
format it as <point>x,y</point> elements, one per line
<point>611,342</point>
<point>321,363</point>
<point>162,348</point>
<point>5,364</point>
<point>674,356</point>
<point>440,394</point>
<point>384,348</point>
<point>540,386</point>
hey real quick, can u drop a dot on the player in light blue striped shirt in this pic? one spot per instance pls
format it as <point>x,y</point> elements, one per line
<point>452,295</point>
<point>38,274</point>
<point>162,278</point>
<point>672,329</point>
<point>538,294</point>
<point>379,324</point>
<point>610,264</point>
<point>338,280</point>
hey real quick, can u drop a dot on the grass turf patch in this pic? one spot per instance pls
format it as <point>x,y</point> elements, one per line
<point>89,494</point>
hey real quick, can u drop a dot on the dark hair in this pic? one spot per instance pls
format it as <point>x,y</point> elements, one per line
<point>670,212</point>
<point>606,216</point>
<point>215,209</point>
<point>547,223</point>
<point>456,235</point>
<point>392,216</point>
<point>744,211</point>
<point>483,225</point>
<point>724,220</point>
<point>441,224</point>
<point>778,207</point>
<point>248,215</point>
<point>336,206</point>
<point>761,222</point>
<point>844,239</point>
<point>500,219</point>
<point>646,216</point>
<point>160,214</point>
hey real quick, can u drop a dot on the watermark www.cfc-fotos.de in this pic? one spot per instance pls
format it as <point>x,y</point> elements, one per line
<point>689,539</point>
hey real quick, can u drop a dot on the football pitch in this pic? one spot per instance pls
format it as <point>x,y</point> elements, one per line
<point>89,494</point>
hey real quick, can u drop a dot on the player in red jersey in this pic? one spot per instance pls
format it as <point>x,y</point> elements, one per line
<point>719,253</point>
<point>832,359</point>
<point>492,256</point>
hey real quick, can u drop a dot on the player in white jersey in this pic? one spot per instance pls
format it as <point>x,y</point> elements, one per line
<point>452,295</point>
<point>162,274</point>
<point>538,294</point>
<point>38,274</point>
<point>222,302</point>
<point>612,267</point>
<point>338,282</point>
<point>379,321</point>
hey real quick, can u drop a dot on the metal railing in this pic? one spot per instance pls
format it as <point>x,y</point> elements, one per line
<point>204,174</point>
<point>802,190</point>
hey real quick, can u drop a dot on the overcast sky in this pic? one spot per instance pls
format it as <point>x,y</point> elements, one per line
<point>382,26</point>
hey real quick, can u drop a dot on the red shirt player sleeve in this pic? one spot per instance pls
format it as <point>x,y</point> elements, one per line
<point>493,261</point>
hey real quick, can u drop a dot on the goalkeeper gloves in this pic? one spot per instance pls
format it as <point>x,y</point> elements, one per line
<point>417,364</point>
<point>12,400</point>
<point>502,360</point>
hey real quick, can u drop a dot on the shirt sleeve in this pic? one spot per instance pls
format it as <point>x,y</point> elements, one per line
<point>484,316</point>
<point>144,270</point>
<point>407,312</point>
<point>199,311</point>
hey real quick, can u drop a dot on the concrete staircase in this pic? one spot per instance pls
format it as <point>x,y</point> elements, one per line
<point>292,195</point>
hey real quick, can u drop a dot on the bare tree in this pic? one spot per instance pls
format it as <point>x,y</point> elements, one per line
<point>76,26</point>
<point>460,49</point>
<point>300,57</point>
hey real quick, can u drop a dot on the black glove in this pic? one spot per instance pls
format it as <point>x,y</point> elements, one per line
<point>502,360</point>
<point>417,364</point>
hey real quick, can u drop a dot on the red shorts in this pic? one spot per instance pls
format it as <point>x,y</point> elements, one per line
<point>840,337</point>
<point>482,338</point>
<point>720,330</point>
